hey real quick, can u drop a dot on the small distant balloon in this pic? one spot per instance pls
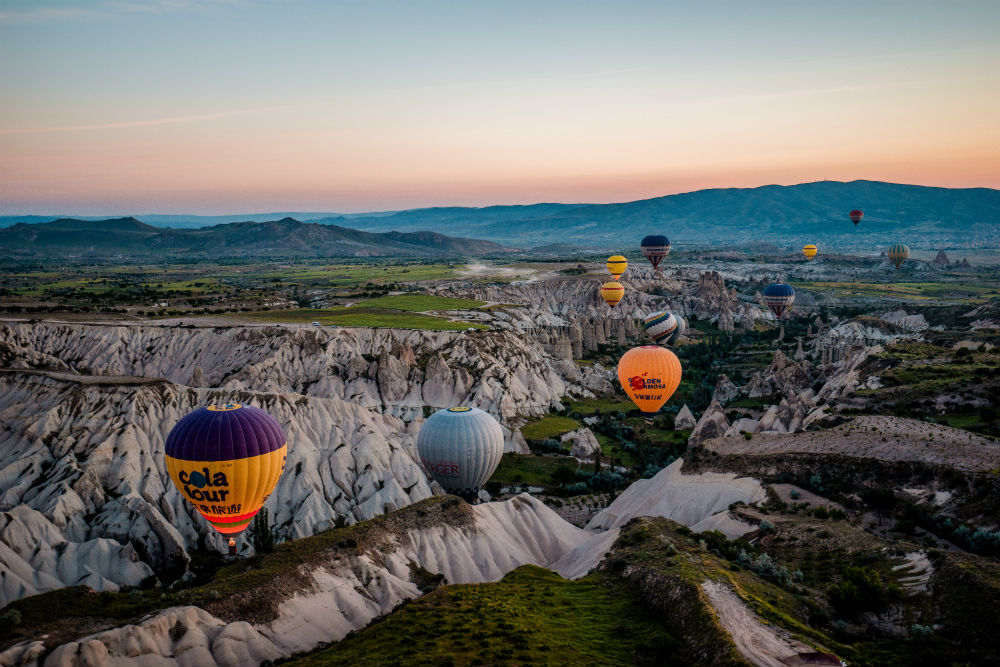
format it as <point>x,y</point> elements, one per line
<point>898,253</point>
<point>612,292</point>
<point>649,375</point>
<point>225,460</point>
<point>616,266</point>
<point>810,251</point>
<point>654,248</point>
<point>460,448</point>
<point>778,297</point>
<point>856,216</point>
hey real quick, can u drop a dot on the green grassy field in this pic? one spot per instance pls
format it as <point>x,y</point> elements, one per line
<point>548,426</point>
<point>529,469</point>
<point>418,303</point>
<point>962,291</point>
<point>591,406</point>
<point>530,617</point>
<point>365,317</point>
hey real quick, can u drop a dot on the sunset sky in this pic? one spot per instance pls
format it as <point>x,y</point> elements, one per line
<point>226,106</point>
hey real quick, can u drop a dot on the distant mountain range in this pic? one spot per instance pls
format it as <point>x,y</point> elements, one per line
<point>278,238</point>
<point>920,215</point>
<point>814,211</point>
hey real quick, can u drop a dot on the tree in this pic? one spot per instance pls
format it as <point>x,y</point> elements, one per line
<point>262,533</point>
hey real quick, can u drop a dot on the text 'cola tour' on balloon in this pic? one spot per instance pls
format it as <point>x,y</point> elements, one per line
<point>649,375</point>
<point>460,448</point>
<point>226,460</point>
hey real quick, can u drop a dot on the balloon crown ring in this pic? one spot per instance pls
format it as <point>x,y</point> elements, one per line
<point>225,408</point>
<point>461,408</point>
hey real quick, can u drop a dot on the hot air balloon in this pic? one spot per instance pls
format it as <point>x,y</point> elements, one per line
<point>856,216</point>
<point>460,447</point>
<point>778,297</point>
<point>898,253</point>
<point>612,292</point>
<point>616,266</point>
<point>225,460</point>
<point>649,375</point>
<point>682,327</point>
<point>655,248</point>
<point>809,251</point>
<point>660,326</point>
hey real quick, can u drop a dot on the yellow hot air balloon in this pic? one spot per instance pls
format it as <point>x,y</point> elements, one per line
<point>809,251</point>
<point>225,460</point>
<point>612,292</point>
<point>616,266</point>
<point>649,375</point>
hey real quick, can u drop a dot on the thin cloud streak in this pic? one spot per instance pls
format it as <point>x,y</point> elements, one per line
<point>172,120</point>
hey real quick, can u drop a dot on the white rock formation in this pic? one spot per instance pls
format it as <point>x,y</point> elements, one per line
<point>687,499</point>
<point>345,594</point>
<point>584,443</point>
<point>684,419</point>
<point>713,424</point>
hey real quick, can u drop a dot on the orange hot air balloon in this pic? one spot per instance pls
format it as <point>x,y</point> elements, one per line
<point>649,375</point>
<point>612,292</point>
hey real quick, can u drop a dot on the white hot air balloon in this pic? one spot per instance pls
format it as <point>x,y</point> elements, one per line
<point>460,448</point>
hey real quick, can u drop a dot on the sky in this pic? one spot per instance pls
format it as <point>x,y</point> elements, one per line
<point>227,106</point>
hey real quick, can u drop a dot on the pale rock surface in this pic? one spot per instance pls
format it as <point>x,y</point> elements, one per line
<point>584,443</point>
<point>725,391</point>
<point>742,425</point>
<point>687,499</point>
<point>344,595</point>
<point>684,419</point>
<point>713,424</point>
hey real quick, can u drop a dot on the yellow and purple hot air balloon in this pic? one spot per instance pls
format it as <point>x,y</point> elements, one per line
<point>225,460</point>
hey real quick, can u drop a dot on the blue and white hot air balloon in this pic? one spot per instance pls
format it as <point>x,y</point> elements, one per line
<point>460,448</point>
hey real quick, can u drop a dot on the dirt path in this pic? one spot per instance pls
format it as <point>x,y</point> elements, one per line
<point>879,437</point>
<point>760,644</point>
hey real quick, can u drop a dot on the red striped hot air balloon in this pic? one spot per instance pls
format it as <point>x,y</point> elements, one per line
<point>612,292</point>
<point>225,460</point>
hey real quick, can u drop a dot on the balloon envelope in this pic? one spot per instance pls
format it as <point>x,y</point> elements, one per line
<point>660,326</point>
<point>778,297</point>
<point>898,253</point>
<point>809,251</point>
<point>612,292</point>
<point>649,375</point>
<point>616,266</point>
<point>460,448</point>
<point>655,248</point>
<point>225,460</point>
<point>856,216</point>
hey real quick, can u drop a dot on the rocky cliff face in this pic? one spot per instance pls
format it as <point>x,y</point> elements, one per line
<point>83,443</point>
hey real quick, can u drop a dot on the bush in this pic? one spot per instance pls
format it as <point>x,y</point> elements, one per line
<point>821,512</point>
<point>262,533</point>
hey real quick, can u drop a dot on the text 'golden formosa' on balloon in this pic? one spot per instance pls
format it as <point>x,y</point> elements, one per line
<point>225,461</point>
<point>616,266</point>
<point>612,292</point>
<point>809,251</point>
<point>649,375</point>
